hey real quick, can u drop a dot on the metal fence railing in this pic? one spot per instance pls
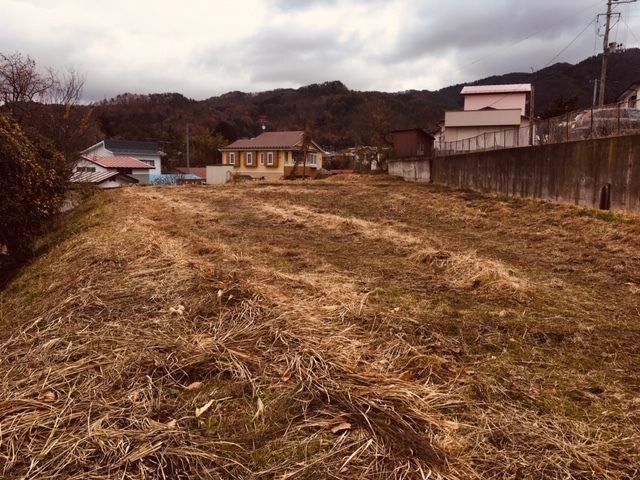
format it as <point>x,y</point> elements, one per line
<point>595,122</point>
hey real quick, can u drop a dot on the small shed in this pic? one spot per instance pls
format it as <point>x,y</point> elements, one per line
<point>412,142</point>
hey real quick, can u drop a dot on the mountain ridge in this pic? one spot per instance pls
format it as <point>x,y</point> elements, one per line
<point>340,117</point>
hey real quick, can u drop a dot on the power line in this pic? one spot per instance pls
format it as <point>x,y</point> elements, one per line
<point>523,39</point>
<point>630,31</point>
<point>551,61</point>
<point>562,51</point>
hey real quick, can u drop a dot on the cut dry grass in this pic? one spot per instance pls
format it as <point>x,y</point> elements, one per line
<point>301,330</point>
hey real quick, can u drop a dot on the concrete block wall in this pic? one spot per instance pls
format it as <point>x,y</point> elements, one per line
<point>600,173</point>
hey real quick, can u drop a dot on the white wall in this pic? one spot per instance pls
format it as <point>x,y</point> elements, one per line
<point>219,174</point>
<point>157,168</point>
<point>414,169</point>
<point>87,163</point>
<point>499,101</point>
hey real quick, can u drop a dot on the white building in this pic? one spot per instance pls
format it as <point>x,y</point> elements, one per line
<point>492,113</point>
<point>110,172</point>
<point>146,152</point>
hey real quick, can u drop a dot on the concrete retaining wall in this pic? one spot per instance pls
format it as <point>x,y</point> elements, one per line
<point>602,173</point>
<point>414,169</point>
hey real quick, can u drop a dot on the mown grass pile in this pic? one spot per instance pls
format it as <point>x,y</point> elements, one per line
<point>334,329</point>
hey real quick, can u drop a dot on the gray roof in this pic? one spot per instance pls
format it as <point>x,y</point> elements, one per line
<point>127,146</point>
<point>99,177</point>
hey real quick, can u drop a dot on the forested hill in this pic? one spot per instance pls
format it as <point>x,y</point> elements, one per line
<point>340,117</point>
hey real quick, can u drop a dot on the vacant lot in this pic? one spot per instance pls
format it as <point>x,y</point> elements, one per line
<point>348,328</point>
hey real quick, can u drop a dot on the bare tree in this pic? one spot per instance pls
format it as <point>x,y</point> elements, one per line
<point>303,153</point>
<point>373,135</point>
<point>66,88</point>
<point>21,84</point>
<point>47,101</point>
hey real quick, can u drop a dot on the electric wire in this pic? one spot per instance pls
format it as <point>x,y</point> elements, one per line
<point>522,39</point>
<point>630,31</point>
<point>570,43</point>
<point>551,61</point>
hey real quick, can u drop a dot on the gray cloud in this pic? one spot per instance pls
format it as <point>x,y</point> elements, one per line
<point>204,49</point>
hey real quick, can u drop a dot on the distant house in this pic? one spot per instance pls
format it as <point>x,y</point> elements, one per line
<point>110,172</point>
<point>272,156</point>
<point>630,96</point>
<point>146,152</point>
<point>412,142</point>
<point>489,109</point>
<point>200,172</point>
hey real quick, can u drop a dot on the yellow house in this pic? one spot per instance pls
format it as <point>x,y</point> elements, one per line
<point>273,155</point>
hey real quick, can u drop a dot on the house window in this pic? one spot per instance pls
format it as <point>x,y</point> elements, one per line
<point>421,149</point>
<point>270,158</point>
<point>85,169</point>
<point>125,171</point>
<point>313,159</point>
<point>261,158</point>
<point>150,162</point>
<point>249,158</point>
<point>232,158</point>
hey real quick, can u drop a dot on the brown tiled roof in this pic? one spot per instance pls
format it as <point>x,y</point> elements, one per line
<point>117,162</point>
<point>281,140</point>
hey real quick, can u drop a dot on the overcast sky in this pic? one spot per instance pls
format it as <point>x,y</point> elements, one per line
<point>207,48</point>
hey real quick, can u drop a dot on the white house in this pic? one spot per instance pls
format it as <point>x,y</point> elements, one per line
<point>147,152</point>
<point>109,171</point>
<point>499,110</point>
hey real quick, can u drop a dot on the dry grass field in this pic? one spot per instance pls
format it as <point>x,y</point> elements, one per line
<point>351,328</point>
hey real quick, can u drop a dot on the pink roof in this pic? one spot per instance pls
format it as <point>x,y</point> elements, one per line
<point>514,88</point>
<point>268,140</point>
<point>117,162</point>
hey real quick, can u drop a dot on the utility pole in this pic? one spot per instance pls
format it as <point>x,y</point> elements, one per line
<point>605,54</point>
<point>605,50</point>
<point>532,118</point>
<point>188,170</point>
